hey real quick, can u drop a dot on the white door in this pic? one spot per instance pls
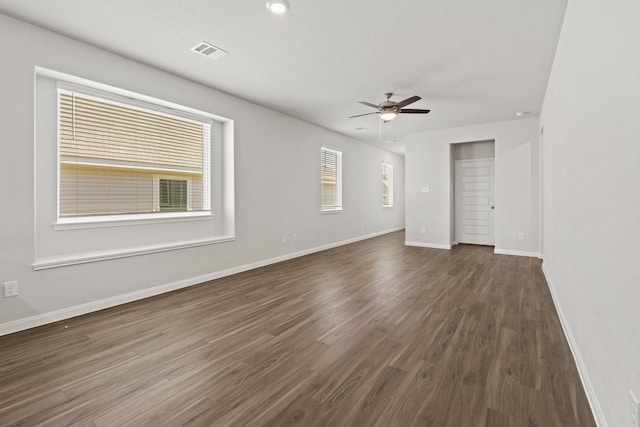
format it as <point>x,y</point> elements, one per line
<point>474,208</point>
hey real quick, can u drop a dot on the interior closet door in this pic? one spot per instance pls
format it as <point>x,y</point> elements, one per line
<point>474,202</point>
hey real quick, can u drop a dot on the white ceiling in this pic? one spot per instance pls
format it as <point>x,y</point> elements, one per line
<point>471,61</point>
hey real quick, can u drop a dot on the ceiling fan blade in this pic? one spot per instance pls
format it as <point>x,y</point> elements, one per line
<point>368,104</point>
<point>408,101</point>
<point>360,115</point>
<point>413,111</point>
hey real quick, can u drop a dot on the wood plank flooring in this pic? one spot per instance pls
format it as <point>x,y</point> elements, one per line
<point>369,334</point>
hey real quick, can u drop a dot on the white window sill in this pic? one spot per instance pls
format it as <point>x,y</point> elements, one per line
<point>125,220</point>
<point>331,210</point>
<point>83,258</point>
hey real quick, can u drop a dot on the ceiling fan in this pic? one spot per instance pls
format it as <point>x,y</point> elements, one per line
<point>388,110</point>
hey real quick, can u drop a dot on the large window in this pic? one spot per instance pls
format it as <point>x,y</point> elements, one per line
<point>387,184</point>
<point>120,159</point>
<point>330,179</point>
<point>123,173</point>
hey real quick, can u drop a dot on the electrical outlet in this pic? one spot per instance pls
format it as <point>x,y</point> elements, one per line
<point>521,236</point>
<point>294,237</point>
<point>284,239</point>
<point>634,409</point>
<point>11,289</point>
<point>423,230</point>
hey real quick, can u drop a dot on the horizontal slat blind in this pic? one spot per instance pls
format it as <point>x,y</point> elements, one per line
<point>330,175</point>
<point>100,190</point>
<point>95,129</point>
<point>113,158</point>
<point>387,184</point>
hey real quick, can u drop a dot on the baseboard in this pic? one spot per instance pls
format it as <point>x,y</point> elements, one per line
<point>516,253</point>
<point>598,415</point>
<point>78,310</point>
<point>427,245</point>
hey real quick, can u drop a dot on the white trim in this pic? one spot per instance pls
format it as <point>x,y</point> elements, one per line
<point>483,159</point>
<point>516,253</point>
<point>598,415</point>
<point>78,310</point>
<point>83,258</point>
<point>331,210</point>
<point>427,245</point>
<point>133,219</point>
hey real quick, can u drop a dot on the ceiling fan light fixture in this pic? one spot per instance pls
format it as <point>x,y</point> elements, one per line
<point>388,110</point>
<point>278,6</point>
<point>387,116</point>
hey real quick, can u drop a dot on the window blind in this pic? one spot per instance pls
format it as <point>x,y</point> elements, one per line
<point>387,184</point>
<point>110,155</point>
<point>330,178</point>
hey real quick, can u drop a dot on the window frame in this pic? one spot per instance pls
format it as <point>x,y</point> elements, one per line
<point>387,169</point>
<point>154,106</point>
<point>156,191</point>
<point>338,205</point>
<point>62,245</point>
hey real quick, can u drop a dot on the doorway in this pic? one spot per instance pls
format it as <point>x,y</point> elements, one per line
<point>474,181</point>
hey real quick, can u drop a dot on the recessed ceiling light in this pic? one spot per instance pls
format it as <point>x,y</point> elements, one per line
<point>278,6</point>
<point>390,141</point>
<point>361,129</point>
<point>522,113</point>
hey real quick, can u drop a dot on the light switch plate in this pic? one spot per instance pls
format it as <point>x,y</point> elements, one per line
<point>10,289</point>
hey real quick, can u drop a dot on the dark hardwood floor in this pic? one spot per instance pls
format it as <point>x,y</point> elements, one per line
<point>369,334</point>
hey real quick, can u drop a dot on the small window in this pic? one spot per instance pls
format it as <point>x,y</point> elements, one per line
<point>172,194</point>
<point>387,185</point>
<point>330,179</point>
<point>111,151</point>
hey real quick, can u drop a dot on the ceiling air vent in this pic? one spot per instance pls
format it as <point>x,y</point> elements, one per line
<point>208,50</point>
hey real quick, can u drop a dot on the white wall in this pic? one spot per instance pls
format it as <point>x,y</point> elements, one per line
<point>517,183</point>
<point>591,146</point>
<point>474,150</point>
<point>270,148</point>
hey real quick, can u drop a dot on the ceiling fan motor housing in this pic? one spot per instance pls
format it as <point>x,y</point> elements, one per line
<point>388,105</point>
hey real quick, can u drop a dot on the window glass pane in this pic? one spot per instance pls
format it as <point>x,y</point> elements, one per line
<point>330,179</point>
<point>387,185</point>
<point>173,195</point>
<point>109,153</point>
